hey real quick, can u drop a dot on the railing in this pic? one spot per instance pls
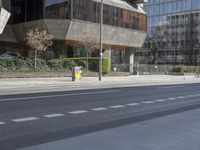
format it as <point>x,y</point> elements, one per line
<point>143,69</point>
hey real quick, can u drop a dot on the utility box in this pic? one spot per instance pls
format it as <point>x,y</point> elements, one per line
<point>77,73</point>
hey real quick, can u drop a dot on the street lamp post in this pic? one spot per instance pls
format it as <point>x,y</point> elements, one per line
<point>101,42</point>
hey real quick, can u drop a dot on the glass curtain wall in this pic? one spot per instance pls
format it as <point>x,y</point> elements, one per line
<point>180,21</point>
<point>26,10</point>
<point>29,10</point>
<point>57,9</point>
<point>89,10</point>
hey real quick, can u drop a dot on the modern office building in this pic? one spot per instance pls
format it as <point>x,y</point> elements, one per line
<point>173,33</point>
<point>71,21</point>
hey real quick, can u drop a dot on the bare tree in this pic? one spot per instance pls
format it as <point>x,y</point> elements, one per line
<point>158,41</point>
<point>90,44</point>
<point>191,37</point>
<point>38,40</point>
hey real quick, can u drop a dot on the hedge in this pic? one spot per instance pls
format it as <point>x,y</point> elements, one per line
<point>93,63</point>
<point>186,69</point>
<point>22,65</point>
<point>27,65</point>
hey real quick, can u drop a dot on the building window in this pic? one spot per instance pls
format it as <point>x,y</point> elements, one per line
<point>26,10</point>
<point>90,11</point>
<point>60,9</point>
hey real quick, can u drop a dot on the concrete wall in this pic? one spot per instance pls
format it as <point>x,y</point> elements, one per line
<point>8,35</point>
<point>111,35</point>
<point>75,30</point>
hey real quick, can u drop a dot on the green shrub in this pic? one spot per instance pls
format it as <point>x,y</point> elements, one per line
<point>27,65</point>
<point>56,65</point>
<point>93,63</point>
<point>82,63</point>
<point>106,65</point>
<point>186,69</point>
<point>69,64</point>
<point>22,65</point>
<point>176,69</point>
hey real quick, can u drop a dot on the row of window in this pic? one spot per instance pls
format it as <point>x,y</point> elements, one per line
<point>88,10</point>
<point>26,10</point>
<point>173,19</point>
<point>160,7</point>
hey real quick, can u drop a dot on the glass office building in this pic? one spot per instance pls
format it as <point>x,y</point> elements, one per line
<point>70,21</point>
<point>178,22</point>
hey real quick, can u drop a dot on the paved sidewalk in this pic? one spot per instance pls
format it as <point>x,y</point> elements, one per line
<point>174,132</point>
<point>32,85</point>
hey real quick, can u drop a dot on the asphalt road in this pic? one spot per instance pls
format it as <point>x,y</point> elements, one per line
<point>31,119</point>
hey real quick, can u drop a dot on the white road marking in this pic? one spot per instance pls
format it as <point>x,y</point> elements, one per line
<point>117,106</point>
<point>169,87</point>
<point>195,95</point>
<point>2,123</point>
<point>190,96</point>
<point>181,97</point>
<point>160,100</point>
<point>148,102</point>
<point>25,119</point>
<point>133,104</point>
<point>59,95</point>
<point>53,115</point>
<point>99,109</point>
<point>78,112</point>
<point>171,99</point>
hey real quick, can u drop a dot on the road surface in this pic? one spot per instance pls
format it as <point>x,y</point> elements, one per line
<point>31,119</point>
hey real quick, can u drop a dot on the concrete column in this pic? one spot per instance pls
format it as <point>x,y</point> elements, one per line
<point>129,55</point>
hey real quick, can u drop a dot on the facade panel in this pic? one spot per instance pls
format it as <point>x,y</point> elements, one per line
<point>177,23</point>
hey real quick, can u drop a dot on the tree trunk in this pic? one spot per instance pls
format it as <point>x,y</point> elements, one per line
<point>87,67</point>
<point>35,59</point>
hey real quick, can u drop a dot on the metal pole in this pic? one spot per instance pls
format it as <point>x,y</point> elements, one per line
<point>101,44</point>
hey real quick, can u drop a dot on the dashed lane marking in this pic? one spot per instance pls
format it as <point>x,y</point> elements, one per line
<point>25,119</point>
<point>181,97</point>
<point>133,104</point>
<point>99,109</point>
<point>117,106</point>
<point>148,102</point>
<point>191,96</point>
<point>2,123</point>
<point>160,100</point>
<point>171,99</point>
<point>53,115</point>
<point>78,112</point>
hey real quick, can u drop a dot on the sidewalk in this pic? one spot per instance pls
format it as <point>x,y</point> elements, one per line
<point>174,132</point>
<point>27,85</point>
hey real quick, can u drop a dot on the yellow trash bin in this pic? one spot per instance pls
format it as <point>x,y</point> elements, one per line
<point>77,73</point>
